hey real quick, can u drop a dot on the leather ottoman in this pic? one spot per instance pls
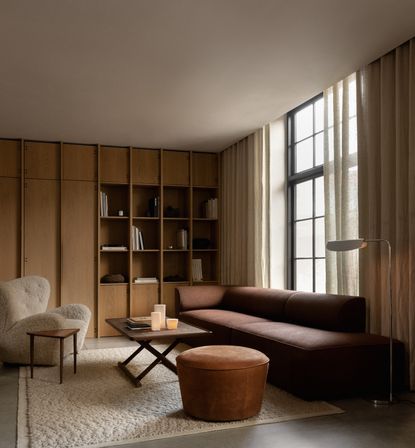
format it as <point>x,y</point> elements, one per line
<point>222,382</point>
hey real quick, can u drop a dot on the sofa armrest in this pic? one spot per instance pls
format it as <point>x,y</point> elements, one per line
<point>198,297</point>
<point>327,311</point>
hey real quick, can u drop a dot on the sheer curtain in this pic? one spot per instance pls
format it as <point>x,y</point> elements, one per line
<point>340,184</point>
<point>245,211</point>
<point>386,106</point>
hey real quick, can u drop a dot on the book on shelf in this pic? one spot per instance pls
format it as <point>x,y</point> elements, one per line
<point>113,247</point>
<point>103,203</point>
<point>145,280</point>
<point>137,238</point>
<point>197,273</point>
<point>210,208</point>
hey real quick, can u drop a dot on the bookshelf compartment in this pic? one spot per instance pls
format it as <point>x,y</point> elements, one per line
<point>204,235</point>
<point>200,197</point>
<point>170,234</point>
<point>176,267</point>
<point>176,167</point>
<point>145,166</point>
<point>176,202</point>
<point>205,169</point>
<point>114,164</point>
<point>150,231</point>
<point>118,199</point>
<point>113,263</point>
<point>141,206</point>
<point>145,264</point>
<point>114,232</point>
<point>144,297</point>
<point>209,265</point>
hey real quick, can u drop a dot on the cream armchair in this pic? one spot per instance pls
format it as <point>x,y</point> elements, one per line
<point>23,304</point>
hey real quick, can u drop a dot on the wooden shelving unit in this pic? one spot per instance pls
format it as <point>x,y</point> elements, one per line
<point>52,226</point>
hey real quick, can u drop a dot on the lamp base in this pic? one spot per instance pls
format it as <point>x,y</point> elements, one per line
<point>384,402</point>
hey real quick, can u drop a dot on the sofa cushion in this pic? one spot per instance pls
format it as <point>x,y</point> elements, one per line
<point>326,311</point>
<point>221,317</point>
<point>261,302</point>
<point>199,297</point>
<point>307,338</point>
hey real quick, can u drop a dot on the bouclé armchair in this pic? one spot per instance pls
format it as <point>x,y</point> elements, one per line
<point>23,304</point>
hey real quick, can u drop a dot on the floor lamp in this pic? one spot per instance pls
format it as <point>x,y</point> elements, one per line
<point>346,245</point>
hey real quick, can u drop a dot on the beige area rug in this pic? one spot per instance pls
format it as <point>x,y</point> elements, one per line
<point>99,407</point>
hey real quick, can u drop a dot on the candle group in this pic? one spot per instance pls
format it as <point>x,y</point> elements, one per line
<point>159,321</point>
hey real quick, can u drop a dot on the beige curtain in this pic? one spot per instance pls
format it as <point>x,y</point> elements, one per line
<point>386,130</point>
<point>245,211</point>
<point>340,184</point>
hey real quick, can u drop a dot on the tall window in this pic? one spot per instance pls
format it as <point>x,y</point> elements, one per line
<point>307,271</point>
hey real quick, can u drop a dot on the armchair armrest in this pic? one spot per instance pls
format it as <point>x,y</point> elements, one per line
<point>73,311</point>
<point>198,297</point>
<point>37,322</point>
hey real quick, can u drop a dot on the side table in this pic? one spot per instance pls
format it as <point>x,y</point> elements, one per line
<point>55,334</point>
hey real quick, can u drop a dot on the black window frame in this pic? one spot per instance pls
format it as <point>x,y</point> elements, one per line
<point>294,179</point>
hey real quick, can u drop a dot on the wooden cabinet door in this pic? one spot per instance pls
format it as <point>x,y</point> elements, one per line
<point>114,165</point>
<point>79,162</point>
<point>9,228</point>
<point>205,169</point>
<point>78,227</point>
<point>10,158</point>
<point>145,166</point>
<point>176,168</point>
<point>144,297</point>
<point>113,302</point>
<point>42,160</point>
<point>41,227</point>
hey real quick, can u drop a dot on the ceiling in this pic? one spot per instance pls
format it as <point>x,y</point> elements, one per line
<point>188,74</point>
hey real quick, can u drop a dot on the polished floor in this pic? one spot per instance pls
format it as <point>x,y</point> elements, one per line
<point>361,426</point>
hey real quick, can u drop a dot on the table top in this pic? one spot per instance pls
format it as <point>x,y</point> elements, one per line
<point>61,334</point>
<point>183,330</point>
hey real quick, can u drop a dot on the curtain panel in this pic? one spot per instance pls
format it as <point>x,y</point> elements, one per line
<point>245,211</point>
<point>340,184</point>
<point>386,132</point>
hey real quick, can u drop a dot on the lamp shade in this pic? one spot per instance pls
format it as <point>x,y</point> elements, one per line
<point>344,245</point>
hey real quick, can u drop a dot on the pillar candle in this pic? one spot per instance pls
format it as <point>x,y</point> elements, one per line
<point>161,308</point>
<point>155,321</point>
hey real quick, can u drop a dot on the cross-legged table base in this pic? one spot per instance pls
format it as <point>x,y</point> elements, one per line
<point>55,334</point>
<point>161,358</point>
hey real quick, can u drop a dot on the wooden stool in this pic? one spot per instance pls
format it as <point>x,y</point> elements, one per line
<point>56,334</point>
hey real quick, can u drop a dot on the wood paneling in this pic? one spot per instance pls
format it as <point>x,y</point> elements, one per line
<point>115,164</point>
<point>10,156</point>
<point>78,245</point>
<point>9,228</point>
<point>144,297</point>
<point>145,166</point>
<point>176,169</point>
<point>169,297</point>
<point>42,241</point>
<point>112,303</point>
<point>205,169</point>
<point>42,160</point>
<point>79,162</point>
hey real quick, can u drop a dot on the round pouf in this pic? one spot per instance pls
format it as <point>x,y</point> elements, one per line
<point>222,382</point>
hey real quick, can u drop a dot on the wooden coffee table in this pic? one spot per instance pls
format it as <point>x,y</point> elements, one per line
<point>144,338</point>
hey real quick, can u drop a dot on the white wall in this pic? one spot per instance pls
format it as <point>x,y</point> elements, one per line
<point>278,204</point>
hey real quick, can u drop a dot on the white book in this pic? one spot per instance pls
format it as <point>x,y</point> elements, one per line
<point>197,270</point>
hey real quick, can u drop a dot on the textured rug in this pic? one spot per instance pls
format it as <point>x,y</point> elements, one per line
<point>98,406</point>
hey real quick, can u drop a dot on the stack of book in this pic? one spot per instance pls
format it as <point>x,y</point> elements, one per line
<point>146,280</point>
<point>113,247</point>
<point>211,208</point>
<point>197,273</point>
<point>139,323</point>
<point>103,203</point>
<point>137,238</point>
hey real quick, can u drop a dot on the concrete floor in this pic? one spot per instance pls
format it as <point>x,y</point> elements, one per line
<point>361,426</point>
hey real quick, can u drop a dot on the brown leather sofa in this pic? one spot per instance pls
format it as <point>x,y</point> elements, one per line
<point>316,343</point>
